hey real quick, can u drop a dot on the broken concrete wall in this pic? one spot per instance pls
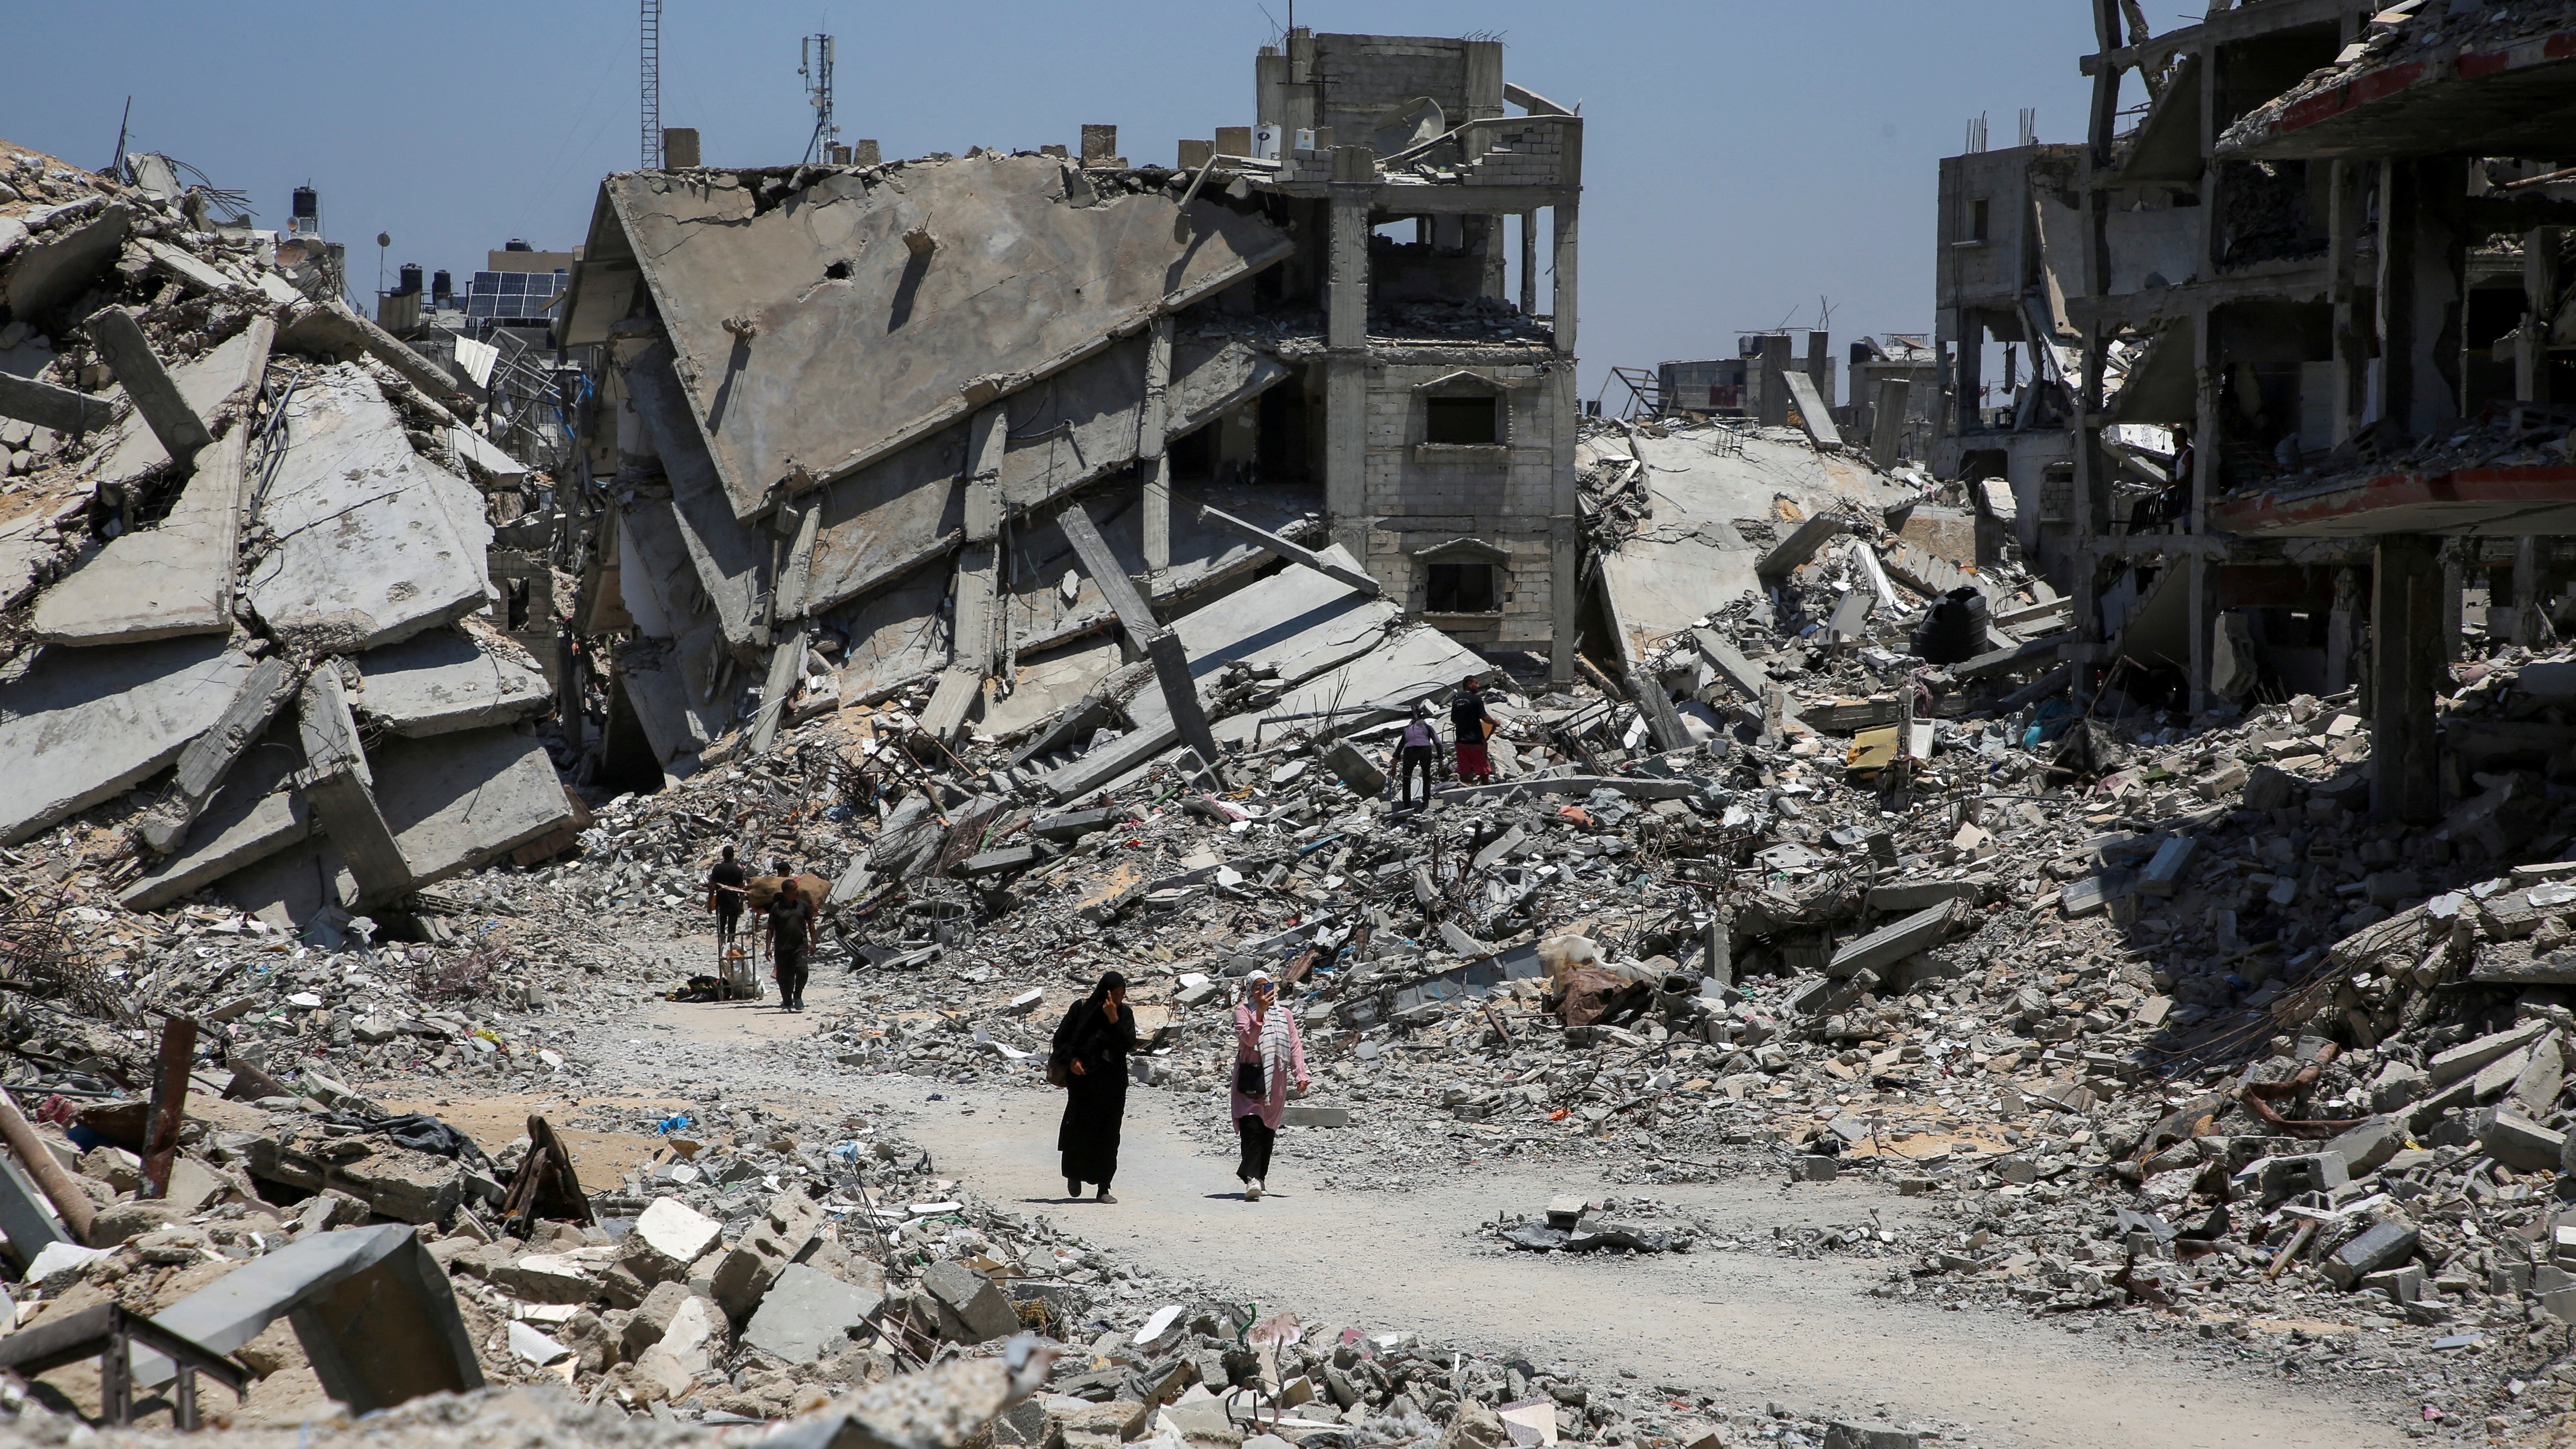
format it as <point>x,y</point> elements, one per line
<point>823,327</point>
<point>1064,433</point>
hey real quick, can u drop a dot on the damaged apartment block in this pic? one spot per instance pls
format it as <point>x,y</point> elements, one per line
<point>1008,437</point>
<point>2300,373</point>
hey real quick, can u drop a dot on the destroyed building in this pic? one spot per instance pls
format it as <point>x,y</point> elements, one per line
<point>2299,351</point>
<point>843,431</point>
<point>246,568</point>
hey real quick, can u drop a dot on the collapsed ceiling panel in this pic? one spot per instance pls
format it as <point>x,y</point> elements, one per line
<point>834,324</point>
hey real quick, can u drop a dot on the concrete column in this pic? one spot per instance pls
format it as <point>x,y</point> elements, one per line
<point>2455,578</point>
<point>1564,539</point>
<point>2208,468</point>
<point>1970,380</point>
<point>1820,366</point>
<point>1151,461</point>
<point>1772,406</point>
<point>2342,623</point>
<point>2405,667</point>
<point>2422,263</point>
<point>1563,306</point>
<point>2530,563</point>
<point>2540,285</point>
<point>2202,581</point>
<point>2352,326</point>
<point>1346,353</point>
<point>1529,263</point>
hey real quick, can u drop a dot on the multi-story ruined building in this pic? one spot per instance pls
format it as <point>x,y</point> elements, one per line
<point>843,408</point>
<point>2300,346</point>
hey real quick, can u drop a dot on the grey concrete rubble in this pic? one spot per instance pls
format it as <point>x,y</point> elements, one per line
<point>2084,871</point>
<point>222,491</point>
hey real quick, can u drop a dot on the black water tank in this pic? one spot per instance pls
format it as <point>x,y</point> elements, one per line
<point>308,204</point>
<point>410,284</point>
<point>441,287</point>
<point>1955,629</point>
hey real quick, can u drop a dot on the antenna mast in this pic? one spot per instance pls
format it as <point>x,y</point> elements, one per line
<point>652,38</point>
<point>815,65</point>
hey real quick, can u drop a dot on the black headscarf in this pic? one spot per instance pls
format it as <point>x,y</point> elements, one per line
<point>1109,981</point>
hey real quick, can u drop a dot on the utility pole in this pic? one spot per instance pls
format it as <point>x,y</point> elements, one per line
<point>815,65</point>
<point>652,38</point>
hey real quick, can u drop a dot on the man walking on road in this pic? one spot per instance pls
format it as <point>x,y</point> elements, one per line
<point>791,941</point>
<point>725,888</point>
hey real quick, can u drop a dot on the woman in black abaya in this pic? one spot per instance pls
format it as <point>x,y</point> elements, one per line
<point>1091,1047</point>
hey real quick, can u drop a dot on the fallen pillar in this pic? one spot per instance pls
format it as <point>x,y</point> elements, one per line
<point>48,406</point>
<point>1889,944</point>
<point>1303,557</point>
<point>1801,544</point>
<point>1887,422</point>
<point>1999,660</point>
<point>1738,671</point>
<point>120,340</point>
<point>210,756</point>
<point>340,788</point>
<point>1813,415</point>
<point>372,1309</point>
<point>1162,646</point>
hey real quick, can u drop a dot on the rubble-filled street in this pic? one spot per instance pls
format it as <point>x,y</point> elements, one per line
<point>1020,800</point>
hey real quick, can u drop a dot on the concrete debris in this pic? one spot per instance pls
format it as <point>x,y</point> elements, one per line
<point>1842,802</point>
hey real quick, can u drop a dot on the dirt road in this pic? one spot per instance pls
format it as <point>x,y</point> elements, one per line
<point>1743,1327</point>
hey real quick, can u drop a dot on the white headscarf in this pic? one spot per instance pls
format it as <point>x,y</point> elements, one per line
<point>1274,1033</point>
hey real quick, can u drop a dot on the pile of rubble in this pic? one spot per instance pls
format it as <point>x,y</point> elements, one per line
<point>245,530</point>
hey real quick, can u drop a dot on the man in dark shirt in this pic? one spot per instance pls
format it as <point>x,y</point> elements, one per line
<point>791,940</point>
<point>1467,717</point>
<point>725,886</point>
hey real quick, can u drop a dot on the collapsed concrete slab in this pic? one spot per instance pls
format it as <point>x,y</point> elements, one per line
<point>1713,506</point>
<point>925,290</point>
<point>79,725</point>
<point>445,680</point>
<point>372,542</point>
<point>206,761</point>
<point>253,817</point>
<point>458,801</point>
<point>1300,622</point>
<point>218,387</point>
<point>651,695</point>
<point>67,257</point>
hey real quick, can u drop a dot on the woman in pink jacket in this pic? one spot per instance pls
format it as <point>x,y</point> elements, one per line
<point>1268,1054</point>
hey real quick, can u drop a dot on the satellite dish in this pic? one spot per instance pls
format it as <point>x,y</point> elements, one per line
<point>384,239</point>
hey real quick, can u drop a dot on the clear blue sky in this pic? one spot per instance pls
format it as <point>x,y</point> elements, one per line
<point>1742,159</point>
